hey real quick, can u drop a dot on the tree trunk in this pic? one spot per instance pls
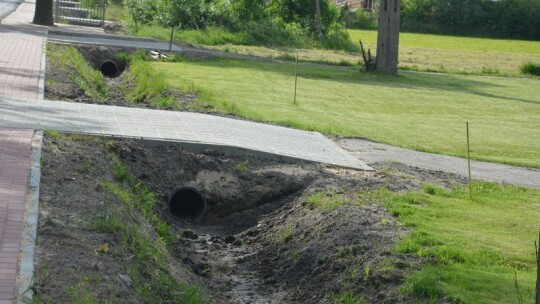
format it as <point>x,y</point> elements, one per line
<point>43,14</point>
<point>318,16</point>
<point>388,36</point>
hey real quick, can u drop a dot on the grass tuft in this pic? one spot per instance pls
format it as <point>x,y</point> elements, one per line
<point>68,60</point>
<point>530,68</point>
<point>478,248</point>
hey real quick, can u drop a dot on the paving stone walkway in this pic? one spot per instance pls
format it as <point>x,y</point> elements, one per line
<point>21,54</point>
<point>193,128</point>
<point>15,150</point>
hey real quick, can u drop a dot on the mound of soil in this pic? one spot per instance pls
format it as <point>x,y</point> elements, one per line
<point>260,240</point>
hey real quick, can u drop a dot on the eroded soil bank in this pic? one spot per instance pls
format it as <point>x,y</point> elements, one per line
<point>262,239</point>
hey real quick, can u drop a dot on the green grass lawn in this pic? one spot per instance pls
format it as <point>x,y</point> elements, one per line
<point>458,54</point>
<point>480,246</point>
<point>420,111</point>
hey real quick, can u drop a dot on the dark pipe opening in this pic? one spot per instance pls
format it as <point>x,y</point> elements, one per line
<point>109,68</point>
<point>187,203</point>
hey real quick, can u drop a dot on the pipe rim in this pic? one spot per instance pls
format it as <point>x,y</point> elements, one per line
<point>202,206</point>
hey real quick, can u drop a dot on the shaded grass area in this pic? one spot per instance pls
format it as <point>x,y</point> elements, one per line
<point>479,247</point>
<point>420,111</point>
<point>69,61</point>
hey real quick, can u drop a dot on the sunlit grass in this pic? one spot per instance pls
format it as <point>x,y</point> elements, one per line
<point>421,111</point>
<point>458,54</point>
<point>479,245</point>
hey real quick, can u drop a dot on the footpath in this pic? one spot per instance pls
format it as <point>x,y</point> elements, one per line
<point>21,52</point>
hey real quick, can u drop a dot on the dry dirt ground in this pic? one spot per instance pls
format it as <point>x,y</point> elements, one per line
<point>261,240</point>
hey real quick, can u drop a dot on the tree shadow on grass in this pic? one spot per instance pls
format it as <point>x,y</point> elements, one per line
<point>405,80</point>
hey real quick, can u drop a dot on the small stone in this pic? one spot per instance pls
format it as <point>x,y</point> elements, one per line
<point>189,234</point>
<point>98,266</point>
<point>125,279</point>
<point>229,239</point>
<point>238,243</point>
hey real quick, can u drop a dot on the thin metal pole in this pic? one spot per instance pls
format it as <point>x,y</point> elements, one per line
<point>295,78</point>
<point>469,160</point>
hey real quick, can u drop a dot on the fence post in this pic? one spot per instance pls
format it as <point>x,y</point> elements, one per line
<point>103,14</point>
<point>57,11</point>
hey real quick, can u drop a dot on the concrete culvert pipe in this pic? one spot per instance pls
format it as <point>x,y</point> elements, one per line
<point>188,203</point>
<point>109,68</point>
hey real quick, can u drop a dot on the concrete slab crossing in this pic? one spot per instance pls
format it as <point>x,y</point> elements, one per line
<point>193,128</point>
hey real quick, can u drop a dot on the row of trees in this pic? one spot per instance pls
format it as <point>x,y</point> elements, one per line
<point>503,18</point>
<point>258,19</point>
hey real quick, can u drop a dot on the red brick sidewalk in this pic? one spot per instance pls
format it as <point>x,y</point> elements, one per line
<point>15,150</point>
<point>21,50</point>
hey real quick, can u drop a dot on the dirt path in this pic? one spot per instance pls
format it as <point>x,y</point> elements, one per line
<point>373,153</point>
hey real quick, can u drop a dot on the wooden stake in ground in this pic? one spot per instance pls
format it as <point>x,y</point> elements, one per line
<point>295,79</point>
<point>170,41</point>
<point>537,247</point>
<point>469,160</point>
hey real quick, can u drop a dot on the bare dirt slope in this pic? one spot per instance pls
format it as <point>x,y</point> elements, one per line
<point>260,241</point>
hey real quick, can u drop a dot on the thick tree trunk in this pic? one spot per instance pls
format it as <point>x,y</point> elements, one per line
<point>44,12</point>
<point>318,17</point>
<point>388,36</point>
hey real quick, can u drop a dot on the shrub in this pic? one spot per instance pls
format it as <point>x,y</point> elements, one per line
<point>274,33</point>
<point>337,38</point>
<point>530,68</point>
<point>360,19</point>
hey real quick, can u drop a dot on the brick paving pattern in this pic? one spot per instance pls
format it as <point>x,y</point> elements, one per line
<point>20,61</point>
<point>21,49</point>
<point>15,150</point>
<point>173,126</point>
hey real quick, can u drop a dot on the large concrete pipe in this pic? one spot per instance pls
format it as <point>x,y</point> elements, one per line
<point>187,202</point>
<point>109,68</point>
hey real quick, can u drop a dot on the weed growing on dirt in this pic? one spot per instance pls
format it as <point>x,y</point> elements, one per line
<point>328,201</point>
<point>349,298</point>
<point>149,272</point>
<point>148,82</point>
<point>71,62</point>
<point>53,134</point>
<point>242,166</point>
<point>286,235</point>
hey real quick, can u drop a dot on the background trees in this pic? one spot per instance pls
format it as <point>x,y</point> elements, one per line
<point>505,18</point>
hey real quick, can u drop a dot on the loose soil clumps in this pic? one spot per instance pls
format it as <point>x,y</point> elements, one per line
<point>260,240</point>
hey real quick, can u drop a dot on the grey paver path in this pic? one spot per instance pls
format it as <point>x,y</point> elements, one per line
<point>174,126</point>
<point>8,6</point>
<point>20,60</point>
<point>372,152</point>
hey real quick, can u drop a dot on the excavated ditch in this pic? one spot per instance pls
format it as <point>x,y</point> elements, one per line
<point>254,239</point>
<point>259,241</point>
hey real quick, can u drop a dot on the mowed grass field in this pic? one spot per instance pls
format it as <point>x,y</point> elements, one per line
<point>482,247</point>
<point>458,54</point>
<point>420,111</point>
<point>422,52</point>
